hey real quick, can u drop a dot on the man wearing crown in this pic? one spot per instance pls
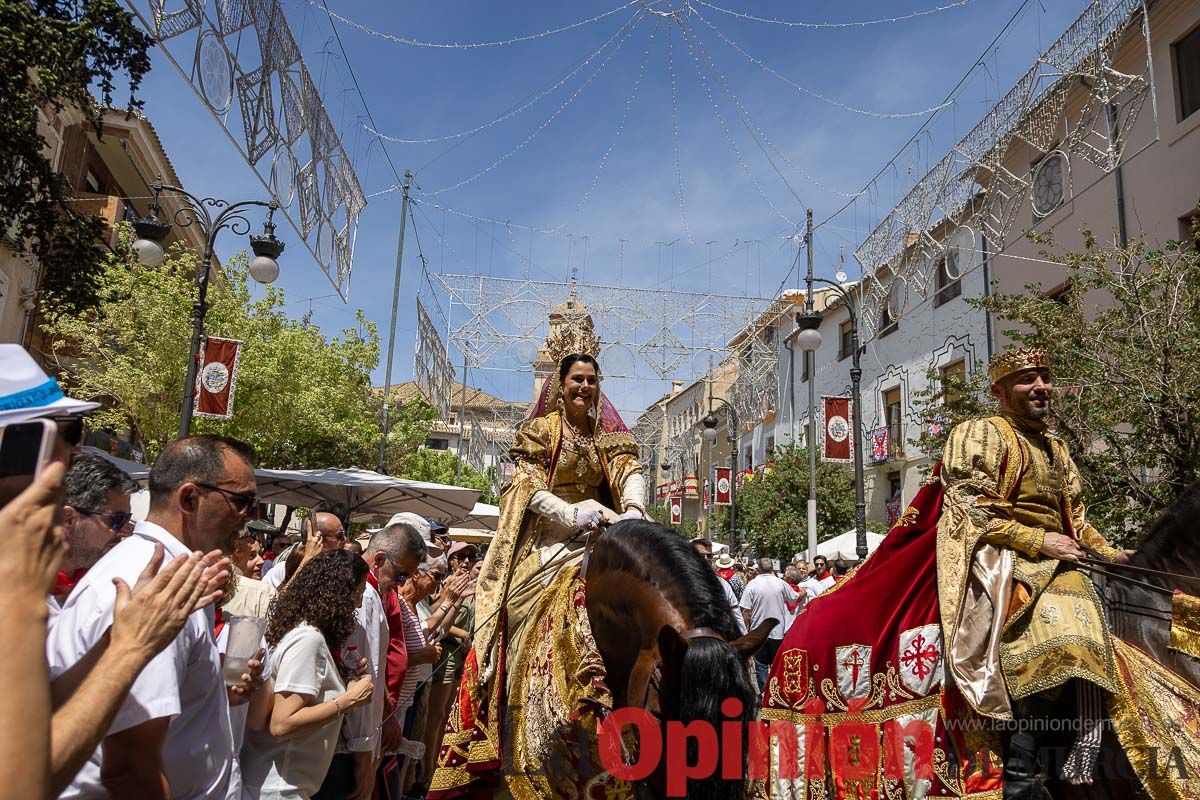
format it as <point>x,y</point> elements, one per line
<point>1022,621</point>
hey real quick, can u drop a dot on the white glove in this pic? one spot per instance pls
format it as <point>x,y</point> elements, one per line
<point>632,513</point>
<point>587,519</point>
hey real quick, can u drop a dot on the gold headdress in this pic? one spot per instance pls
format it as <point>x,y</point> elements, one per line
<point>1005,364</point>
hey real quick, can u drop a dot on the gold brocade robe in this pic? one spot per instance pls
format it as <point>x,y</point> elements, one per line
<point>1006,609</point>
<point>524,557</point>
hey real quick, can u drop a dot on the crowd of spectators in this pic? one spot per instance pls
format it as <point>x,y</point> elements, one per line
<point>201,653</point>
<point>756,592</point>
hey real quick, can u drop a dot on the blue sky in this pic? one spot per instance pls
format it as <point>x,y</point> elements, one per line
<point>728,196</point>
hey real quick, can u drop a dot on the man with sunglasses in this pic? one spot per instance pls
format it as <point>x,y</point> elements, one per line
<point>333,537</point>
<point>171,737</point>
<point>95,517</point>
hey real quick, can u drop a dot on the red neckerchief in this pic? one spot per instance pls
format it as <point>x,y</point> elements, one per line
<point>64,583</point>
<point>371,579</point>
<point>218,624</point>
<point>269,555</point>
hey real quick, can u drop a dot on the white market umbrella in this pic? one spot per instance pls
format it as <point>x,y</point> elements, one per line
<point>365,493</point>
<point>483,517</point>
<point>470,535</point>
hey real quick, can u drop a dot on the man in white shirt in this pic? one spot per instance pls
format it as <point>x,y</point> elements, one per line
<point>767,596</point>
<point>172,736</point>
<point>704,548</point>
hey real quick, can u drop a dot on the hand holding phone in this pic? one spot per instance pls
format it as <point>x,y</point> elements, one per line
<point>25,450</point>
<point>32,526</point>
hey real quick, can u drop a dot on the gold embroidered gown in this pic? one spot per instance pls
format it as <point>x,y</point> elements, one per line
<point>1009,481</point>
<point>536,538</point>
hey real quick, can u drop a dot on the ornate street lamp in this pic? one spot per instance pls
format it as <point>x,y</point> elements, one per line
<point>196,211</point>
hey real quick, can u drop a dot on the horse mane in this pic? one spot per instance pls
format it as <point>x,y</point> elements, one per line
<point>667,561</point>
<point>1165,544</point>
<point>711,670</point>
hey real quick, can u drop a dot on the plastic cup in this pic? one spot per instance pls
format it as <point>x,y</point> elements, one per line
<point>245,635</point>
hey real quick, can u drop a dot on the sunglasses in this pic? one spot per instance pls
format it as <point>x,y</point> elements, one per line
<point>340,535</point>
<point>116,519</point>
<point>247,502</point>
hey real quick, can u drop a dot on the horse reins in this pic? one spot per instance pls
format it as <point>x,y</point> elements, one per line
<point>1101,565</point>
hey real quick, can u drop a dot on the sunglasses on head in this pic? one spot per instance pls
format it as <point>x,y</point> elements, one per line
<point>70,429</point>
<point>246,502</point>
<point>116,519</point>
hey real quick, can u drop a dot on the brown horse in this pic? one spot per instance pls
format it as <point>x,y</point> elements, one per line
<point>1139,609</point>
<point>669,640</point>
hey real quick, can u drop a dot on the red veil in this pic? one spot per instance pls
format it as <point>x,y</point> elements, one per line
<point>607,420</point>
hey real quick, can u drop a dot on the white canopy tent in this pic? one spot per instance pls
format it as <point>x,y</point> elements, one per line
<point>365,493</point>
<point>139,472</point>
<point>483,517</point>
<point>844,546</point>
<point>471,535</point>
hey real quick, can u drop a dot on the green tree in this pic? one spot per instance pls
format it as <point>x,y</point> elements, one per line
<point>301,400</point>
<point>1124,343</point>
<point>441,466</point>
<point>409,424</point>
<point>53,55</point>
<point>661,514</point>
<point>946,401</point>
<point>772,507</point>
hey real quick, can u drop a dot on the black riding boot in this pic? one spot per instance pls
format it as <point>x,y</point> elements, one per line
<point>1021,778</point>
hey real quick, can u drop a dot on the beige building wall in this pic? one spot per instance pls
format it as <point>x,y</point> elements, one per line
<point>1161,178</point>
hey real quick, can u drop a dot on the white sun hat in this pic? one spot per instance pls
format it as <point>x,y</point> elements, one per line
<point>26,392</point>
<point>432,548</point>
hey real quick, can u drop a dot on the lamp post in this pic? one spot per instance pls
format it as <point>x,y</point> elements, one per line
<point>200,211</point>
<point>709,433</point>
<point>810,339</point>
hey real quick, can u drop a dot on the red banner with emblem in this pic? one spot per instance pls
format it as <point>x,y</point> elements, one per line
<point>836,442</point>
<point>676,509</point>
<point>707,495</point>
<point>724,486</point>
<point>217,378</point>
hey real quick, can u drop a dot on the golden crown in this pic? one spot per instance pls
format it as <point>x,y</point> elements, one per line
<point>574,334</point>
<point>1005,364</point>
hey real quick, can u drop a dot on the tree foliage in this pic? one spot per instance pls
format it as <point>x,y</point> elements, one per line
<point>1124,343</point>
<point>53,54</point>
<point>441,466</point>
<point>301,400</point>
<point>772,507</point>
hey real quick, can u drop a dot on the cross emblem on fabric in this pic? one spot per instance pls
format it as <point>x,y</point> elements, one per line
<point>854,663</point>
<point>920,657</point>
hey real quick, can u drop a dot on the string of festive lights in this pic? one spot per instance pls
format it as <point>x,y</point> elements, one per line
<point>675,131</point>
<point>626,28</point>
<point>474,45</point>
<point>617,134</point>
<point>858,24</point>
<point>506,115</point>
<point>729,136</point>
<point>749,122</point>
<point>805,90</point>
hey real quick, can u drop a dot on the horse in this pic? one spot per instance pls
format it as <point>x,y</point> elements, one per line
<point>1139,610</point>
<point>669,642</point>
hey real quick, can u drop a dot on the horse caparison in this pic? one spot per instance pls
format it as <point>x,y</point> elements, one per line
<point>646,587</point>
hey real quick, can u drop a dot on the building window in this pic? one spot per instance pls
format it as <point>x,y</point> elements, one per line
<point>895,486</point>
<point>954,375</point>
<point>845,340</point>
<point>770,447</point>
<point>887,324</point>
<point>437,444</point>
<point>891,418</point>
<point>804,356</point>
<point>949,285</point>
<point>92,183</point>
<point>748,458</point>
<point>1188,233</point>
<point>1187,73</point>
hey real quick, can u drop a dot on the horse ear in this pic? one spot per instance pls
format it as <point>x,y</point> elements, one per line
<point>671,648</point>
<point>749,644</point>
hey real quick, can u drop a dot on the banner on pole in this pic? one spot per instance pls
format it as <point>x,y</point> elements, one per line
<point>837,444</point>
<point>676,509</point>
<point>217,378</point>
<point>724,486</point>
<point>706,493</point>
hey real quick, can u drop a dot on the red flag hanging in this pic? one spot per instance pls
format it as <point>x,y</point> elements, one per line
<point>724,485</point>
<point>706,493</point>
<point>676,509</point>
<point>217,378</point>
<point>837,443</point>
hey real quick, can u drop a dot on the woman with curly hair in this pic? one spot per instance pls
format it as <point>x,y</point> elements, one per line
<point>309,620</point>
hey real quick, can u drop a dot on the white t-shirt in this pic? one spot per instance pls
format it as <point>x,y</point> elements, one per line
<point>238,715</point>
<point>732,599</point>
<point>293,768</point>
<point>766,597</point>
<point>184,682</point>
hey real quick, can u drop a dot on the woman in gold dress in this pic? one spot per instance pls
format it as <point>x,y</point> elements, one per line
<point>576,469</point>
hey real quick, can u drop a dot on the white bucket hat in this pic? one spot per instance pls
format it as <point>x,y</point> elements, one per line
<point>432,548</point>
<point>26,392</point>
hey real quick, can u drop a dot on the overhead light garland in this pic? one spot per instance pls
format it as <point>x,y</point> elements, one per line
<point>825,25</point>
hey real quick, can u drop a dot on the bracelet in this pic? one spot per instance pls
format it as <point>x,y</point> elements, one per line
<point>445,607</point>
<point>337,705</point>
